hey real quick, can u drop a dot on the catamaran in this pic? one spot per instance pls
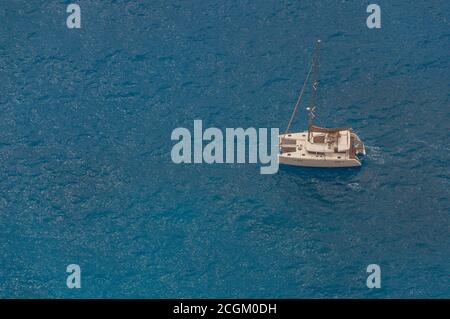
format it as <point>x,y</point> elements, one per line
<point>319,146</point>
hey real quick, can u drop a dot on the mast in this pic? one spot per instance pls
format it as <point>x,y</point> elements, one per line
<point>314,68</point>
<point>312,104</point>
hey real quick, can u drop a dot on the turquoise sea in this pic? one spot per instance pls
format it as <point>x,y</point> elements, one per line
<point>86,175</point>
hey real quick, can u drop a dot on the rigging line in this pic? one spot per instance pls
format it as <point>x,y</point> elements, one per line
<point>299,97</point>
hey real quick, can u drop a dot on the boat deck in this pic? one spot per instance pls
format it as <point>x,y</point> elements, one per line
<point>320,151</point>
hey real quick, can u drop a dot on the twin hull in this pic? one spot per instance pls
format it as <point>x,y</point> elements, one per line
<point>317,162</point>
<point>323,148</point>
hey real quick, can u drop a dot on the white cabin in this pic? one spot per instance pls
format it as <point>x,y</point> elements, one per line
<point>321,147</point>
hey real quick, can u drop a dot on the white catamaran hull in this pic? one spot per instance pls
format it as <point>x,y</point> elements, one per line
<point>321,147</point>
<point>317,163</point>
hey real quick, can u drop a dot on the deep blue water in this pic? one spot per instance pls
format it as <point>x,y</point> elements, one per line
<point>86,175</point>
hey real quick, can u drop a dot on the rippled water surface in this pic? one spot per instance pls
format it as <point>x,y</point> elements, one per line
<point>86,175</point>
